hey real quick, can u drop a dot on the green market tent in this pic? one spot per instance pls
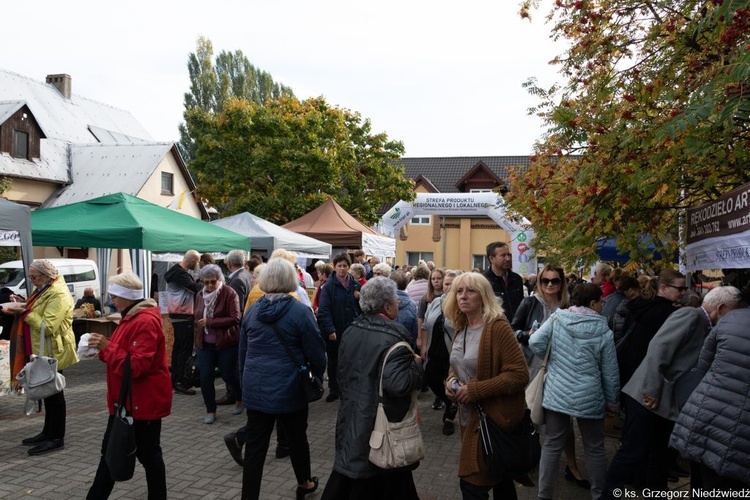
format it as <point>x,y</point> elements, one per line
<point>123,221</point>
<point>120,220</point>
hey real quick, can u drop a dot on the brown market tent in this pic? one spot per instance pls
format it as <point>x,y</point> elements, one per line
<point>332,224</point>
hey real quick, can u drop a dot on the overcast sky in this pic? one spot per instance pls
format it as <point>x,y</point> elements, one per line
<point>443,77</point>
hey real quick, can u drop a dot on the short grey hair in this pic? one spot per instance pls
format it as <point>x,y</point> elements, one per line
<point>320,266</point>
<point>602,266</point>
<point>382,268</point>
<point>236,258</point>
<point>358,269</point>
<point>727,295</point>
<point>278,276</point>
<point>212,270</point>
<point>376,293</point>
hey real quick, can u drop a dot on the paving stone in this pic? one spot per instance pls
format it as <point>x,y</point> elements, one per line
<point>198,464</point>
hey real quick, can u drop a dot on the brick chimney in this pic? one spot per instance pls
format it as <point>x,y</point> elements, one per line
<point>62,82</point>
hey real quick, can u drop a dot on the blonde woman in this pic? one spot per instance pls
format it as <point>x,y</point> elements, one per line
<point>486,367</point>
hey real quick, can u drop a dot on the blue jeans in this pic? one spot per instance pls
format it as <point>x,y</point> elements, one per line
<point>209,357</point>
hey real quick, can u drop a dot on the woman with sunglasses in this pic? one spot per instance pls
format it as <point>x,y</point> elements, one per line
<point>217,320</point>
<point>647,314</point>
<point>51,305</point>
<point>551,294</point>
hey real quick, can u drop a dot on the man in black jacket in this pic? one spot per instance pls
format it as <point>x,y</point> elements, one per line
<point>505,283</point>
<point>181,290</point>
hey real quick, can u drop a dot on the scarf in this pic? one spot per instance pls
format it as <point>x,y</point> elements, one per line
<point>209,303</point>
<point>20,337</point>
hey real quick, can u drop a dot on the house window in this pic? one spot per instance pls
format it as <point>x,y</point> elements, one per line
<point>413,258</point>
<point>480,262</point>
<point>480,190</point>
<point>167,183</point>
<point>20,144</point>
<point>420,220</point>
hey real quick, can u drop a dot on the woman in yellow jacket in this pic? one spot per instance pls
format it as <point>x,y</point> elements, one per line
<point>51,304</point>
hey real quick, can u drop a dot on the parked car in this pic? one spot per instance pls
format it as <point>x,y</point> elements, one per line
<point>79,274</point>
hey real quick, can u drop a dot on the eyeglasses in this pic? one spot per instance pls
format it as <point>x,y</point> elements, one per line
<point>552,281</point>
<point>34,277</point>
<point>680,288</point>
<point>210,282</point>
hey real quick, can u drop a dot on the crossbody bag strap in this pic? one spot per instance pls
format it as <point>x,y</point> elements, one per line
<point>286,346</point>
<point>42,338</point>
<point>385,359</point>
<point>125,388</point>
<point>553,318</point>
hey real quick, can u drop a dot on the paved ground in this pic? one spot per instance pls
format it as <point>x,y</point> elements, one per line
<point>198,464</point>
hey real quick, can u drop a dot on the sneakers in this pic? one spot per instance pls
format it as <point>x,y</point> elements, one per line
<point>438,404</point>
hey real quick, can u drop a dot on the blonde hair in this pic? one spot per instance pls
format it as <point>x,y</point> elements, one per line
<point>492,308</point>
<point>281,253</point>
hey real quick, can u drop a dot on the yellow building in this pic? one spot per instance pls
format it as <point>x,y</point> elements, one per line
<point>454,242</point>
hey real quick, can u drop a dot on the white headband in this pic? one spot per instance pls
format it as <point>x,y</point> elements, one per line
<point>124,293</point>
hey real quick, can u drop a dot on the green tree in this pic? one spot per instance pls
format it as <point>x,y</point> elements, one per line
<point>653,118</point>
<point>284,158</point>
<point>212,84</point>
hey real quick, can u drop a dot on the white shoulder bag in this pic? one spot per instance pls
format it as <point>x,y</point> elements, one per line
<point>396,444</point>
<point>40,378</point>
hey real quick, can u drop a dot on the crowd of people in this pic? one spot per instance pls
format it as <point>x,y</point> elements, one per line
<point>676,372</point>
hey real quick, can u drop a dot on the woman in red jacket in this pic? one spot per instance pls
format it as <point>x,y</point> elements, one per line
<point>140,335</point>
<point>217,327</point>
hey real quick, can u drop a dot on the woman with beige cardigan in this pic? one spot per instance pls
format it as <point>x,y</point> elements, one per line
<point>487,367</point>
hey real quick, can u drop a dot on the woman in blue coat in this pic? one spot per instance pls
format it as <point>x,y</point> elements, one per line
<point>338,306</point>
<point>271,384</point>
<point>582,382</point>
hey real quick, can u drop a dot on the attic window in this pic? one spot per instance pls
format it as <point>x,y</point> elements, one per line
<point>480,190</point>
<point>167,183</point>
<point>20,145</point>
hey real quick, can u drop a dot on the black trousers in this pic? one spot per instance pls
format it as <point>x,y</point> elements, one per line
<point>147,439</point>
<point>435,374</point>
<point>504,490</point>
<point>645,439</point>
<point>396,484</point>
<point>257,437</point>
<point>54,416</point>
<point>281,441</point>
<point>332,350</point>
<point>181,349</point>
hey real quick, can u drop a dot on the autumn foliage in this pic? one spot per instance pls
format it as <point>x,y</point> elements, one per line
<point>653,117</point>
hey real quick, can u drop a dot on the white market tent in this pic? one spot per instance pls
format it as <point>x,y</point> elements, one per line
<point>15,223</point>
<point>268,236</point>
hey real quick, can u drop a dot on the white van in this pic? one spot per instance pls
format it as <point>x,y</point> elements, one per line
<point>79,274</point>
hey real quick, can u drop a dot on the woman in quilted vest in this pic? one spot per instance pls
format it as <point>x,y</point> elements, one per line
<point>582,382</point>
<point>486,367</point>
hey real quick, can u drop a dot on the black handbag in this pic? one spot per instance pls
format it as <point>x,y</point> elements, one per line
<point>509,454</point>
<point>312,386</point>
<point>121,448</point>
<point>192,373</point>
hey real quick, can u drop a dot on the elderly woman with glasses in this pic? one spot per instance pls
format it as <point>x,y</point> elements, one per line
<point>50,306</point>
<point>140,336</point>
<point>217,320</point>
<point>551,295</point>
<point>361,353</point>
